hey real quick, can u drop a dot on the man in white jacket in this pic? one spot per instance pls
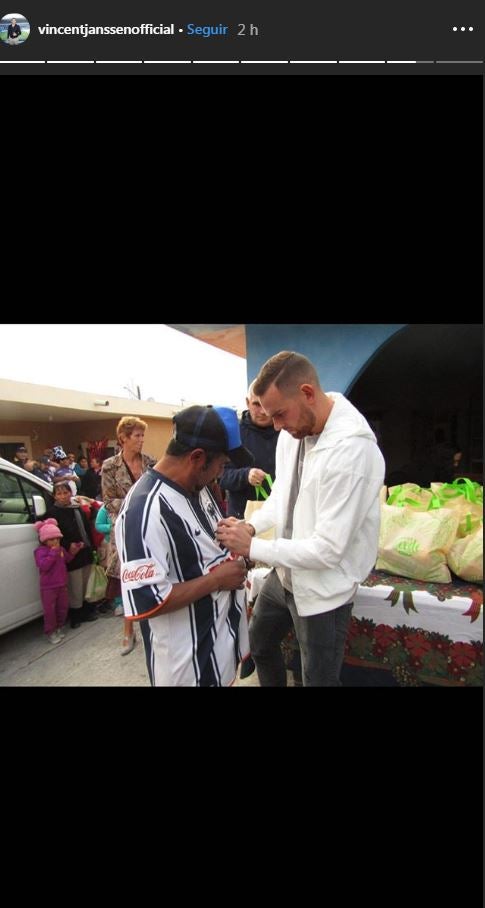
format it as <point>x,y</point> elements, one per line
<point>324,506</point>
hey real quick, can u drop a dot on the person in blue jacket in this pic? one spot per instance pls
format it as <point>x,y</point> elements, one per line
<point>259,436</point>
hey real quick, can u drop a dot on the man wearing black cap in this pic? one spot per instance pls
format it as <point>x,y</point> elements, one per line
<point>21,456</point>
<point>184,587</point>
<point>42,469</point>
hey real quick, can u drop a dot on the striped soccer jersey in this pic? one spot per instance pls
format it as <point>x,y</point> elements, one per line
<point>165,535</point>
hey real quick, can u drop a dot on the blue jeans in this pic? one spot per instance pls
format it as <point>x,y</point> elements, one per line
<point>321,638</point>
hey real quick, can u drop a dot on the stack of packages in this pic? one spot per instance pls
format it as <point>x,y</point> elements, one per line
<point>425,532</point>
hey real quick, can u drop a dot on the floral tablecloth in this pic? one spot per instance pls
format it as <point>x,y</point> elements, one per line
<point>424,633</point>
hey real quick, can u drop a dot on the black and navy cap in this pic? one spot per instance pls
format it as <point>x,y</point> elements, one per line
<point>212,429</point>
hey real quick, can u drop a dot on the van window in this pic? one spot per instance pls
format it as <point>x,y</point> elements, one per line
<point>16,504</point>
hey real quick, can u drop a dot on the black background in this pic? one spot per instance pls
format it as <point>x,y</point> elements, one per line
<point>360,200</point>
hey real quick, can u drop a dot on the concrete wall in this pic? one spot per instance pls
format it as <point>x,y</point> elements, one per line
<point>31,435</point>
<point>37,436</point>
<point>339,352</point>
<point>40,417</point>
<point>157,434</point>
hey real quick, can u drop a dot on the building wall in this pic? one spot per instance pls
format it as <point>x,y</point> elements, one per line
<point>157,435</point>
<point>339,352</point>
<point>37,435</point>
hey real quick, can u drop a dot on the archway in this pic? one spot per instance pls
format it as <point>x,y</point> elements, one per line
<point>426,380</point>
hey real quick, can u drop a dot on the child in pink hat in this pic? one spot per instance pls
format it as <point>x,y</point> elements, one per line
<point>51,558</point>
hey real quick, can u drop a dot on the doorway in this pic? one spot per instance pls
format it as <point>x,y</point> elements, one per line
<point>426,381</point>
<point>9,445</point>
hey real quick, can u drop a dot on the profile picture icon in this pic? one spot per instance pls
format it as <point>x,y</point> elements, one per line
<point>14,29</point>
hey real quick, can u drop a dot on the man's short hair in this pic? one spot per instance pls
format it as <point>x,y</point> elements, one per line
<point>286,370</point>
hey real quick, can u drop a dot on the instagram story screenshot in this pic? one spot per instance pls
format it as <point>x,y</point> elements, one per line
<point>242,37</point>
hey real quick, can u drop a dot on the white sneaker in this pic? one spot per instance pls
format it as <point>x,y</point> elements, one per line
<point>119,610</point>
<point>60,633</point>
<point>54,638</point>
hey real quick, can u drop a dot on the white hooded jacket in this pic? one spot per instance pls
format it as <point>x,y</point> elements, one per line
<point>336,516</point>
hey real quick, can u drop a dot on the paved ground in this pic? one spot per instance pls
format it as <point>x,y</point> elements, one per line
<point>88,657</point>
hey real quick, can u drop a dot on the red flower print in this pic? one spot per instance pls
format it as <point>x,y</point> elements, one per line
<point>386,636</point>
<point>461,656</point>
<point>417,645</point>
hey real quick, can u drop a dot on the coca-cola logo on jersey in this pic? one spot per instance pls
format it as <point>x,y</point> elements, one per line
<point>142,572</point>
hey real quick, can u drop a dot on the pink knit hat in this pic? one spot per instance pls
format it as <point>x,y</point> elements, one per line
<point>48,529</point>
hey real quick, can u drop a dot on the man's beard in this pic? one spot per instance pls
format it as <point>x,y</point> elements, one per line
<point>308,427</point>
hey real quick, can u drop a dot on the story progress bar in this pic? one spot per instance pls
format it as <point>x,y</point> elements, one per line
<point>225,62</point>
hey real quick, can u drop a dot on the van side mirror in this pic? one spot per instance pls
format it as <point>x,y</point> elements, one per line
<point>39,505</point>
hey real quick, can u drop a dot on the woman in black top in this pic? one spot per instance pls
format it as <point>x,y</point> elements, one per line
<point>74,526</point>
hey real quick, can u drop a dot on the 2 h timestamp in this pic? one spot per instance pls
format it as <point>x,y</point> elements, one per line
<point>247,31</point>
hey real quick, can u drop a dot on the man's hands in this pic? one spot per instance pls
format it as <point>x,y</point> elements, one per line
<point>235,535</point>
<point>231,574</point>
<point>255,476</point>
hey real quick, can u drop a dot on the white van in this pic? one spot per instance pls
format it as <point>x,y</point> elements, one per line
<point>24,498</point>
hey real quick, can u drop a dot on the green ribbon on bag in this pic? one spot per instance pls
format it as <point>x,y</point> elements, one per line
<point>260,491</point>
<point>400,502</point>
<point>396,498</point>
<point>472,491</point>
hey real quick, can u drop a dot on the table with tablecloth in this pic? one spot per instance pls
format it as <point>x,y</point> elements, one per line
<point>421,633</point>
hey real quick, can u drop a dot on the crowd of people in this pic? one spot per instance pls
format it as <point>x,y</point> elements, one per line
<point>70,542</point>
<point>54,465</point>
<point>180,542</point>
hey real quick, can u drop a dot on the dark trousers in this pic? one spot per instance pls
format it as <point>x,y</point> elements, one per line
<point>321,638</point>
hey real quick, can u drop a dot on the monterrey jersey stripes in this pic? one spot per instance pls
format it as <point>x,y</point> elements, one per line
<point>164,535</point>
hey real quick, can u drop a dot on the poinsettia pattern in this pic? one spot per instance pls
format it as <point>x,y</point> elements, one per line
<point>414,656</point>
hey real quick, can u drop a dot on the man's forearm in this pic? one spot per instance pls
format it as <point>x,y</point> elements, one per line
<point>182,594</point>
